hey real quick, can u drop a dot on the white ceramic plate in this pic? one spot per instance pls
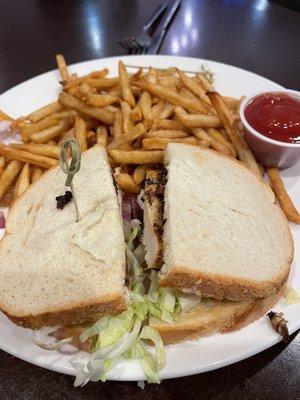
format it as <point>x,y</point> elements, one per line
<point>187,358</point>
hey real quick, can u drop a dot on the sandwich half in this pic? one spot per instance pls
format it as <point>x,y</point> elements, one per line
<point>54,270</point>
<point>222,234</point>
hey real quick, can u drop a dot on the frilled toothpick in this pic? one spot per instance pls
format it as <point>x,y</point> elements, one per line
<point>71,168</point>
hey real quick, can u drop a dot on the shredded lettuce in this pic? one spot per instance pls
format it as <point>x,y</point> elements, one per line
<point>291,296</point>
<point>123,336</point>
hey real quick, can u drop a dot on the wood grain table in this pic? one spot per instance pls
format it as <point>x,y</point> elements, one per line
<point>257,35</point>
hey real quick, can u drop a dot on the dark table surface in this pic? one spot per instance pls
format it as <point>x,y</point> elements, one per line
<point>256,35</point>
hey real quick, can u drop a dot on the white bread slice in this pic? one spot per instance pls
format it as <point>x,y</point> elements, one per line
<point>213,316</point>
<point>47,279</point>
<point>224,236</point>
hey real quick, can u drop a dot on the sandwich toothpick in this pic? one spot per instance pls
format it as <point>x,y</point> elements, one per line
<point>71,168</point>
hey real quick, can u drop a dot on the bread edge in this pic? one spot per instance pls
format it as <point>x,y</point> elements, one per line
<point>221,287</point>
<point>75,314</point>
<point>245,315</point>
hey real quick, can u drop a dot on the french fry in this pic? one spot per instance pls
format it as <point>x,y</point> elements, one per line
<point>136,156</point>
<point>236,139</point>
<point>195,88</point>
<point>75,81</point>
<point>200,134</point>
<point>170,124</point>
<point>127,183</point>
<point>139,174</point>
<point>25,156</point>
<point>62,66</point>
<point>52,132</point>
<point>124,81</point>
<point>91,111</point>
<point>103,83</point>
<point>204,82</point>
<point>101,100</point>
<point>157,109</point>
<point>169,81</point>
<point>5,117</point>
<point>145,105</point>
<point>41,149</point>
<point>44,112</point>
<point>80,133</point>
<point>166,133</point>
<point>127,138</point>
<point>216,135</point>
<point>52,142</point>
<point>23,181</point>
<point>36,174</point>
<point>172,97</point>
<point>231,102</point>
<point>102,135</point>
<point>118,125</point>
<point>126,110</point>
<point>197,120</point>
<point>9,175</point>
<point>2,164</point>
<point>136,114</point>
<point>47,122</point>
<point>161,143</point>
<point>152,76</point>
<point>282,196</point>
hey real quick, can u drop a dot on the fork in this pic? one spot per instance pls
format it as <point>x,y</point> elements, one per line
<point>140,44</point>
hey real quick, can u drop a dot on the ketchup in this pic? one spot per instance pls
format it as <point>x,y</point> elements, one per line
<point>275,115</point>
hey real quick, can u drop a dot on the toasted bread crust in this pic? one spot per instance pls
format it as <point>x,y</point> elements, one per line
<point>225,320</point>
<point>76,314</point>
<point>221,287</point>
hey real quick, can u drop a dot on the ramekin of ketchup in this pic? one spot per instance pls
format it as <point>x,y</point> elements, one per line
<point>272,126</point>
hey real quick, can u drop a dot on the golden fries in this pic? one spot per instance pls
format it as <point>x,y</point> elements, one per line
<point>166,133</point>
<point>283,198</point>
<point>62,66</point>
<point>197,120</point>
<point>24,156</point>
<point>118,125</point>
<point>80,133</point>
<point>161,143</point>
<point>134,116</point>
<point>127,183</point>
<point>78,105</point>
<point>126,111</point>
<point>41,149</point>
<point>44,112</point>
<point>5,117</point>
<point>36,174</point>
<point>145,105</point>
<point>102,136</point>
<point>139,174</point>
<point>23,181</point>
<point>101,100</point>
<point>2,164</point>
<point>237,140</point>
<point>172,97</point>
<point>127,138</point>
<point>124,81</point>
<point>9,175</point>
<point>136,156</point>
<point>195,88</point>
<point>52,132</point>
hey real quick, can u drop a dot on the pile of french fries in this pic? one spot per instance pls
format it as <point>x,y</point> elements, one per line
<point>133,115</point>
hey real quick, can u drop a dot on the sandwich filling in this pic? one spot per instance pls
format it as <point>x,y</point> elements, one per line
<point>155,184</point>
